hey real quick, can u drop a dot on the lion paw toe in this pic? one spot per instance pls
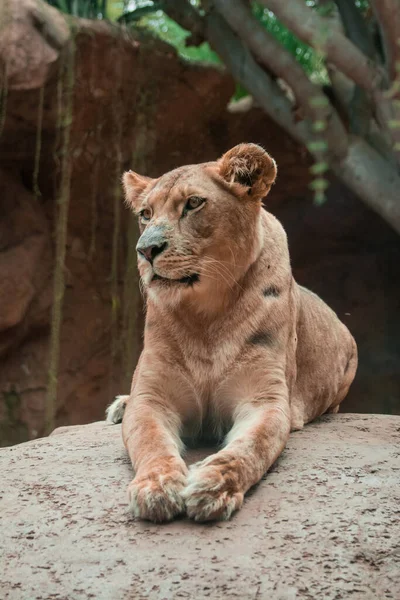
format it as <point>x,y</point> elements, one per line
<point>209,496</point>
<point>157,498</point>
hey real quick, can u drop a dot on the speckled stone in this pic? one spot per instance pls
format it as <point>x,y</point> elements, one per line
<point>324,524</point>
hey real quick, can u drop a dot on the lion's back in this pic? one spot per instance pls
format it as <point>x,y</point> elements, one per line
<point>326,357</point>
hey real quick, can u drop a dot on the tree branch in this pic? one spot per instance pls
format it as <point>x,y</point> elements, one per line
<point>188,18</point>
<point>276,58</point>
<point>359,109</point>
<point>244,69</point>
<point>388,15</point>
<point>373,179</point>
<point>355,27</point>
<point>315,31</point>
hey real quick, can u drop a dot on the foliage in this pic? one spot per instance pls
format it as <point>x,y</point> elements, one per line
<point>304,54</point>
<point>169,31</point>
<point>147,14</point>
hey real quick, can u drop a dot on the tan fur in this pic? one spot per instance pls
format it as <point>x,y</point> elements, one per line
<point>244,352</point>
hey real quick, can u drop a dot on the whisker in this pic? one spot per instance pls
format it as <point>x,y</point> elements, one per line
<point>227,262</point>
<point>216,272</point>
<point>214,263</point>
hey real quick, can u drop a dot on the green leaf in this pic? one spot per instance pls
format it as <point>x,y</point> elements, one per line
<point>319,185</point>
<point>319,198</point>
<point>317,146</point>
<point>319,125</point>
<point>319,168</point>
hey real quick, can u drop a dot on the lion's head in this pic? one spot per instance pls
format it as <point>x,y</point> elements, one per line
<point>200,224</point>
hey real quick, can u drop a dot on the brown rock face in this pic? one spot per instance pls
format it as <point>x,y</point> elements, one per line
<point>340,250</point>
<point>25,262</point>
<point>323,524</point>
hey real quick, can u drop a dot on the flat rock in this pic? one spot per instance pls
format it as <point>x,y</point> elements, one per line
<point>324,523</point>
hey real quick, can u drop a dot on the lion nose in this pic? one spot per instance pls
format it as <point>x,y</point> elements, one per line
<point>150,252</point>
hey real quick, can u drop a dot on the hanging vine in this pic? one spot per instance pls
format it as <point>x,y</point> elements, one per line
<point>96,162</point>
<point>38,147</point>
<point>93,204</point>
<point>3,96</point>
<point>131,304</point>
<point>145,106</point>
<point>3,71</point>
<point>318,147</point>
<point>117,193</point>
<point>65,117</point>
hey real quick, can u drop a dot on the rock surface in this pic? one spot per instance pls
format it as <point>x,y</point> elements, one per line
<point>323,524</point>
<point>341,250</point>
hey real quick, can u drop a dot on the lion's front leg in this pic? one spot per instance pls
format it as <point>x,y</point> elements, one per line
<point>150,431</point>
<point>217,485</point>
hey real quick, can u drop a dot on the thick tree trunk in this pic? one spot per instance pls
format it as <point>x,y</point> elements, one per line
<point>373,179</point>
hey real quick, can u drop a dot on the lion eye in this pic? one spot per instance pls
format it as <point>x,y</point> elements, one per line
<point>145,215</point>
<point>194,202</point>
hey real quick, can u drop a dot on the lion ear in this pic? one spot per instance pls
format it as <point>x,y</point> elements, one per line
<point>134,185</point>
<point>251,167</point>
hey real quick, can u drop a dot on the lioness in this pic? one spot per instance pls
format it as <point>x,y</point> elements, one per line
<point>232,345</point>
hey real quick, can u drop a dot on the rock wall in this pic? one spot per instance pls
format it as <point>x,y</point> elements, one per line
<point>341,250</point>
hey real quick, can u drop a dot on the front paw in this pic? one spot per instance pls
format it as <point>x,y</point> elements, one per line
<point>212,492</point>
<point>157,496</point>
